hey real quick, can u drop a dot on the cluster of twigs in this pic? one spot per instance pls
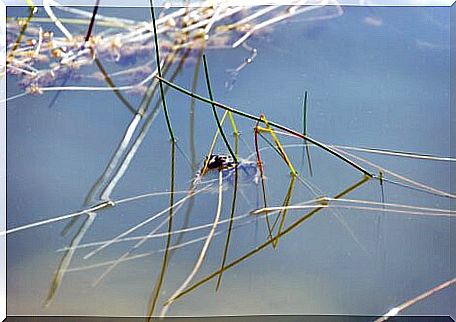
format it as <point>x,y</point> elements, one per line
<point>40,59</point>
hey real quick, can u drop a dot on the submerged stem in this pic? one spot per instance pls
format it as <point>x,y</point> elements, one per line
<point>158,284</point>
<point>292,226</point>
<point>202,255</point>
<point>282,214</point>
<point>233,210</point>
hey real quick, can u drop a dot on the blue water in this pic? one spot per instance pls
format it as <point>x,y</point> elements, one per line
<point>376,77</point>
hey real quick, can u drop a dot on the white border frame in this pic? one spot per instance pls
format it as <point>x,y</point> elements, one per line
<point>115,3</point>
<point>2,162</point>
<point>179,3</point>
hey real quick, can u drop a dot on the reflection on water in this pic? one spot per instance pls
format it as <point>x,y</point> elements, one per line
<point>377,78</point>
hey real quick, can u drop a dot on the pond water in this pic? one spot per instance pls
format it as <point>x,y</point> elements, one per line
<point>376,78</point>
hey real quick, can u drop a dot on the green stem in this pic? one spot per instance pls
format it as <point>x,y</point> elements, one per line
<point>304,131</point>
<point>157,55</point>
<point>208,84</point>
<point>263,186</point>
<point>21,34</point>
<point>276,125</point>
<point>192,114</point>
<point>113,86</point>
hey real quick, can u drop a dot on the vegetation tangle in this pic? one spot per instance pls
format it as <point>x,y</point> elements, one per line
<point>45,54</point>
